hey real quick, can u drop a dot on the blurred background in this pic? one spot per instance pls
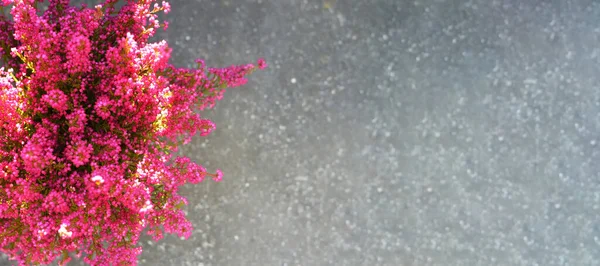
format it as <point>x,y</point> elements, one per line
<point>393,132</point>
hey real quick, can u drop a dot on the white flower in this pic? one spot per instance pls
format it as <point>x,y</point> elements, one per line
<point>63,232</point>
<point>147,207</point>
<point>98,180</point>
<point>41,233</point>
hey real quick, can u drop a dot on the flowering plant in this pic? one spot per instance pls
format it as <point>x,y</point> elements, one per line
<point>91,113</point>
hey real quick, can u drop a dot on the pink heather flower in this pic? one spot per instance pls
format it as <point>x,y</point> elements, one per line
<point>91,114</point>
<point>262,64</point>
<point>206,127</point>
<point>77,121</point>
<point>56,203</point>
<point>37,152</point>
<point>79,152</point>
<point>102,107</point>
<point>166,6</point>
<point>201,64</point>
<point>57,100</point>
<point>218,176</point>
<point>79,48</point>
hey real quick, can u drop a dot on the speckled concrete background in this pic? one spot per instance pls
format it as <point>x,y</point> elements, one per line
<point>392,132</point>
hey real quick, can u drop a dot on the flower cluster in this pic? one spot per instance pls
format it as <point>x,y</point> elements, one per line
<point>91,114</point>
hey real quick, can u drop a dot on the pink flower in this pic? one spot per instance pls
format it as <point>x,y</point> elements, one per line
<point>91,113</point>
<point>56,203</point>
<point>206,126</point>
<point>77,121</point>
<point>166,6</point>
<point>37,152</point>
<point>102,107</point>
<point>79,152</point>
<point>57,100</point>
<point>79,48</point>
<point>218,176</point>
<point>262,64</point>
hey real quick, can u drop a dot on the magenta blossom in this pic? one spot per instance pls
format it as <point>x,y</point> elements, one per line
<point>90,116</point>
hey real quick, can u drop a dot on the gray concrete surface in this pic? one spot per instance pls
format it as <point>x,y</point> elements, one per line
<point>392,132</point>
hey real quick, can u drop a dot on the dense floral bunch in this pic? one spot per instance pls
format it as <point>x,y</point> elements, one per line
<point>90,116</point>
